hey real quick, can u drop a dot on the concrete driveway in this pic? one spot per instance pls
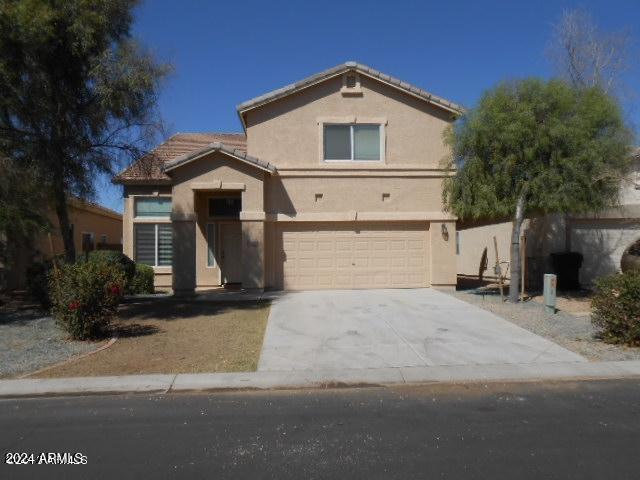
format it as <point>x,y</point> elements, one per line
<point>338,329</point>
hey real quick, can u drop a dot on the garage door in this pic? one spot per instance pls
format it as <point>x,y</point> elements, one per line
<point>319,256</point>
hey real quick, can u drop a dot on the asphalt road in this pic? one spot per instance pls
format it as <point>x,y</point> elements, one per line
<point>558,430</point>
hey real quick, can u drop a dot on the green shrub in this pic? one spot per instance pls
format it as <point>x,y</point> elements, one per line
<point>616,308</point>
<point>142,281</point>
<point>124,263</point>
<point>85,297</point>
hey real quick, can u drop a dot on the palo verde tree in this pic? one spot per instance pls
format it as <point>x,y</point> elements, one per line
<point>533,147</point>
<point>76,94</point>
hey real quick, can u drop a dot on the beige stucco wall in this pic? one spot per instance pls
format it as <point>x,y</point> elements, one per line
<point>212,170</point>
<point>287,132</point>
<point>474,241</point>
<point>443,251</point>
<point>358,193</point>
<point>85,219</point>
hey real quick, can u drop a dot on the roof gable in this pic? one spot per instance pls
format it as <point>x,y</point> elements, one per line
<point>150,168</point>
<point>219,147</point>
<point>339,70</point>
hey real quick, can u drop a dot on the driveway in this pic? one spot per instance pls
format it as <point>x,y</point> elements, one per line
<point>338,329</point>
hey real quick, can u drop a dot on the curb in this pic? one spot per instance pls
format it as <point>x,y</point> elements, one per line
<point>272,380</point>
<point>75,358</point>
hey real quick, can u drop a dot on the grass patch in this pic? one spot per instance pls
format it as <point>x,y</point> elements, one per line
<point>169,336</point>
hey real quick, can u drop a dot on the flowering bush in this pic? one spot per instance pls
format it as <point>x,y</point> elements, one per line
<point>616,308</point>
<point>85,297</point>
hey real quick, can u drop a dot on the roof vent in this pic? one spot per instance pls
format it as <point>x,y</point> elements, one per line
<point>351,84</point>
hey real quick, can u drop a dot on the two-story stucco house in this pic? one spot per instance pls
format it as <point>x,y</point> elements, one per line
<point>335,183</point>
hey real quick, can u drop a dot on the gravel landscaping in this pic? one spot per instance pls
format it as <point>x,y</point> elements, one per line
<point>572,331</point>
<point>30,341</point>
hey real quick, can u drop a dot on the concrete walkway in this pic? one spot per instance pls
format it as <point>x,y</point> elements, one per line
<point>353,329</point>
<point>317,379</point>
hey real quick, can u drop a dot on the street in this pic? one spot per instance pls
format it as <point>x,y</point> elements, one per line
<point>588,429</point>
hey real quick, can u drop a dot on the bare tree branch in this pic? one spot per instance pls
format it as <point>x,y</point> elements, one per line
<point>587,56</point>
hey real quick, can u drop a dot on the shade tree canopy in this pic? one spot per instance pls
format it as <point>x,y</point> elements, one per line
<point>534,147</point>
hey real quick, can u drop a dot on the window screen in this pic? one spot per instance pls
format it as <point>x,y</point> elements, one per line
<point>337,142</point>
<point>366,142</point>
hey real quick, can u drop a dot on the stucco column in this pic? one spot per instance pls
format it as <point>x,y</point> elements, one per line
<point>184,253</point>
<point>253,254</point>
<point>443,254</point>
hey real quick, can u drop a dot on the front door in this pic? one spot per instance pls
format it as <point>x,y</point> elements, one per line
<point>231,252</point>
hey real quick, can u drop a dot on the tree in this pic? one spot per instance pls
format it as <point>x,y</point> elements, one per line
<point>586,56</point>
<point>533,147</point>
<point>21,212</point>
<point>77,94</point>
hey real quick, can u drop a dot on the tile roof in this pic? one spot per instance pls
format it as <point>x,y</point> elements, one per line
<point>150,168</point>
<point>219,147</point>
<point>339,69</point>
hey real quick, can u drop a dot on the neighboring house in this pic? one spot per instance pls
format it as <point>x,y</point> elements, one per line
<point>336,182</point>
<point>601,238</point>
<point>94,226</point>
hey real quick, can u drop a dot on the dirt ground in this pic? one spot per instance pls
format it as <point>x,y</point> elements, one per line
<point>575,302</point>
<point>169,336</point>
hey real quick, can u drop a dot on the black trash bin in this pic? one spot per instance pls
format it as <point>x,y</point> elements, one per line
<point>566,266</point>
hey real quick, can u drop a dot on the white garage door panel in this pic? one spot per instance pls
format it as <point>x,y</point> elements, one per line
<point>353,256</point>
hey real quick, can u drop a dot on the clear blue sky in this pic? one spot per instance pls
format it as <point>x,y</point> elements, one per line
<point>226,52</point>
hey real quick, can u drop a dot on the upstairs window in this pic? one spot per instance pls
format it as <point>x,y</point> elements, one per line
<point>155,207</point>
<point>354,142</point>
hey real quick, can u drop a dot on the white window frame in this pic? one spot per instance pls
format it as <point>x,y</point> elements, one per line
<point>351,125</point>
<point>211,243</point>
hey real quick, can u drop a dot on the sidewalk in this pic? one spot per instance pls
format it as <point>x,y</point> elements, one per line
<point>165,383</point>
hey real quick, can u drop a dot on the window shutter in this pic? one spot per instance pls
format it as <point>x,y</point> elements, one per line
<point>165,245</point>
<point>145,236</point>
<point>366,139</point>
